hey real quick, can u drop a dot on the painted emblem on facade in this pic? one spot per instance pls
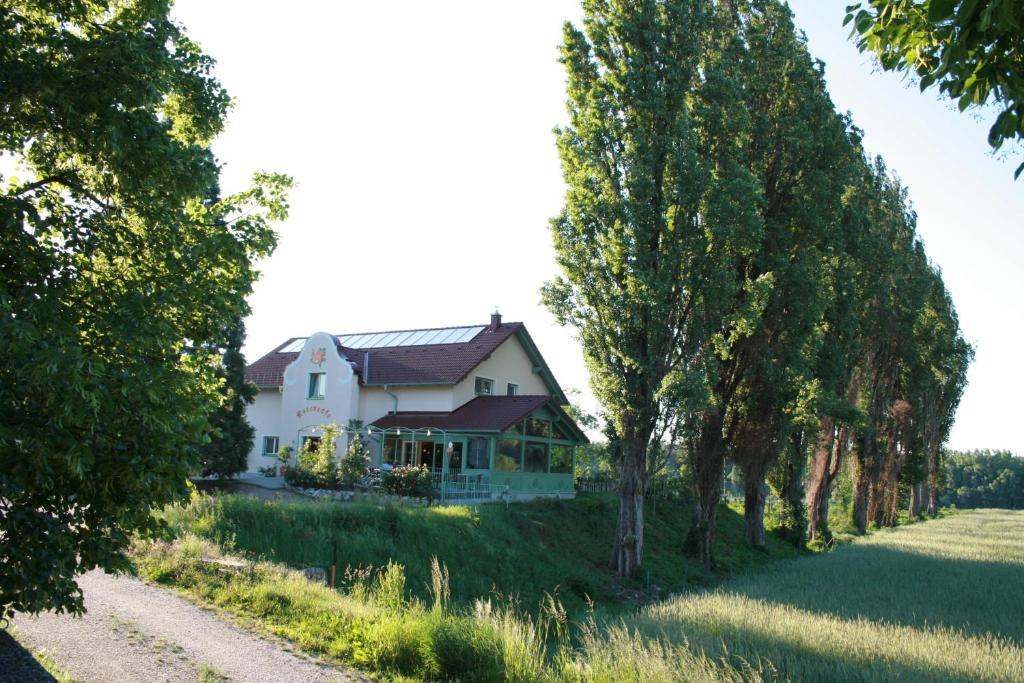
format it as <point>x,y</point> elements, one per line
<point>314,410</point>
<point>318,356</point>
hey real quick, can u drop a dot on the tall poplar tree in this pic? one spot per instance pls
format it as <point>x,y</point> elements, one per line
<point>762,363</point>
<point>659,201</point>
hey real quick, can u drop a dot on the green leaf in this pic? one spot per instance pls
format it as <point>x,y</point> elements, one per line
<point>940,10</point>
<point>1020,169</point>
<point>927,81</point>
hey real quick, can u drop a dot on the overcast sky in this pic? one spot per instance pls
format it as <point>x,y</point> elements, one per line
<point>420,138</point>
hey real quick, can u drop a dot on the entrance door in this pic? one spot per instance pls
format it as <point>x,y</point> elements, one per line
<point>426,457</point>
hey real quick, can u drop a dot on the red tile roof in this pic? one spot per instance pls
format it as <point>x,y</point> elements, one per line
<point>427,364</point>
<point>483,413</point>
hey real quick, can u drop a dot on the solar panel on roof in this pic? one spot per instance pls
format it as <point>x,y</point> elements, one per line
<point>377,340</point>
<point>294,347</point>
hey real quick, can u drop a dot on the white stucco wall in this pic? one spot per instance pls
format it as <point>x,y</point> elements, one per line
<point>508,363</point>
<point>301,415</point>
<point>264,414</point>
<point>375,403</point>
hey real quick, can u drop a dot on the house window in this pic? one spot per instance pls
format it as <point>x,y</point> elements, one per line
<point>561,459</point>
<point>535,427</point>
<point>271,445</point>
<point>392,448</point>
<point>484,386</point>
<point>536,457</point>
<point>513,389</point>
<point>509,457</point>
<point>477,457</point>
<point>316,385</point>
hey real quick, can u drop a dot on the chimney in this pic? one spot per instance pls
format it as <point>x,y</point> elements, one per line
<point>495,320</point>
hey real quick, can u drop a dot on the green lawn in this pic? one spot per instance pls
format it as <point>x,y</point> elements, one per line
<point>940,600</point>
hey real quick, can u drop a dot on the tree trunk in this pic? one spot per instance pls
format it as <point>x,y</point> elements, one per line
<point>933,480</point>
<point>753,506</point>
<point>707,463</point>
<point>795,517</point>
<point>819,482</point>
<point>859,510</point>
<point>916,494</point>
<point>628,549</point>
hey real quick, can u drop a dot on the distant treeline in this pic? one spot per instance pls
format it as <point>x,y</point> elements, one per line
<point>983,479</point>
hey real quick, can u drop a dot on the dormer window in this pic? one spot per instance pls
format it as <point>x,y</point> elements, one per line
<point>484,386</point>
<point>316,385</point>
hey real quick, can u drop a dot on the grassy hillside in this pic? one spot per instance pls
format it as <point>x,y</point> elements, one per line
<point>520,551</point>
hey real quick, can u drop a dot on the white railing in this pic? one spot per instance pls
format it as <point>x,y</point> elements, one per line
<point>462,488</point>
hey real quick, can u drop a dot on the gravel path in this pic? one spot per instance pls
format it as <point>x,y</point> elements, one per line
<point>137,632</point>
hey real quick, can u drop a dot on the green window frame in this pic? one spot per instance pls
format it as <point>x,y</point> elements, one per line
<point>483,386</point>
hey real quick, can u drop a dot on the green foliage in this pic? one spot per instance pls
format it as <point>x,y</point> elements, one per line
<point>970,49</point>
<point>316,465</point>
<point>119,276</point>
<point>354,464</point>
<point>658,208</point>
<point>983,479</point>
<point>231,434</point>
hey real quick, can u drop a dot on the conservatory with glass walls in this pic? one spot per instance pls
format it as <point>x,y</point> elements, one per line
<point>494,447</point>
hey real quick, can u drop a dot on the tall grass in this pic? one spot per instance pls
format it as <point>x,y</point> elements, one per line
<point>378,627</point>
<point>936,601</point>
<point>524,551</point>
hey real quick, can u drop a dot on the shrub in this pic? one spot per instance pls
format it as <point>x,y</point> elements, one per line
<point>354,464</point>
<point>315,465</point>
<point>408,481</point>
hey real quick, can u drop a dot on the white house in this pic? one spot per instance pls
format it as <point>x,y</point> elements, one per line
<point>477,404</point>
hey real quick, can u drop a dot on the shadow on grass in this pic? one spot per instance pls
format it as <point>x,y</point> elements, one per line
<point>906,588</point>
<point>17,665</point>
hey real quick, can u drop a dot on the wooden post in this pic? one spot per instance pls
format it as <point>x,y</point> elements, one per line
<point>334,562</point>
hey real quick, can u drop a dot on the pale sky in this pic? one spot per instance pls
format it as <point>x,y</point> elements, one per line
<point>419,135</point>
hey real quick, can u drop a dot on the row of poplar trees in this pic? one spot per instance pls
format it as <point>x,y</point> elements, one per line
<point>745,280</point>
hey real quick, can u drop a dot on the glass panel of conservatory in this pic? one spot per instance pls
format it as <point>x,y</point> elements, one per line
<point>536,457</point>
<point>561,459</point>
<point>509,457</point>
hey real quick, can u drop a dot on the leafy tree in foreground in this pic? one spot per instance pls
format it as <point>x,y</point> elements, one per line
<point>656,199</point>
<point>970,48</point>
<point>231,438</point>
<point>117,275</point>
